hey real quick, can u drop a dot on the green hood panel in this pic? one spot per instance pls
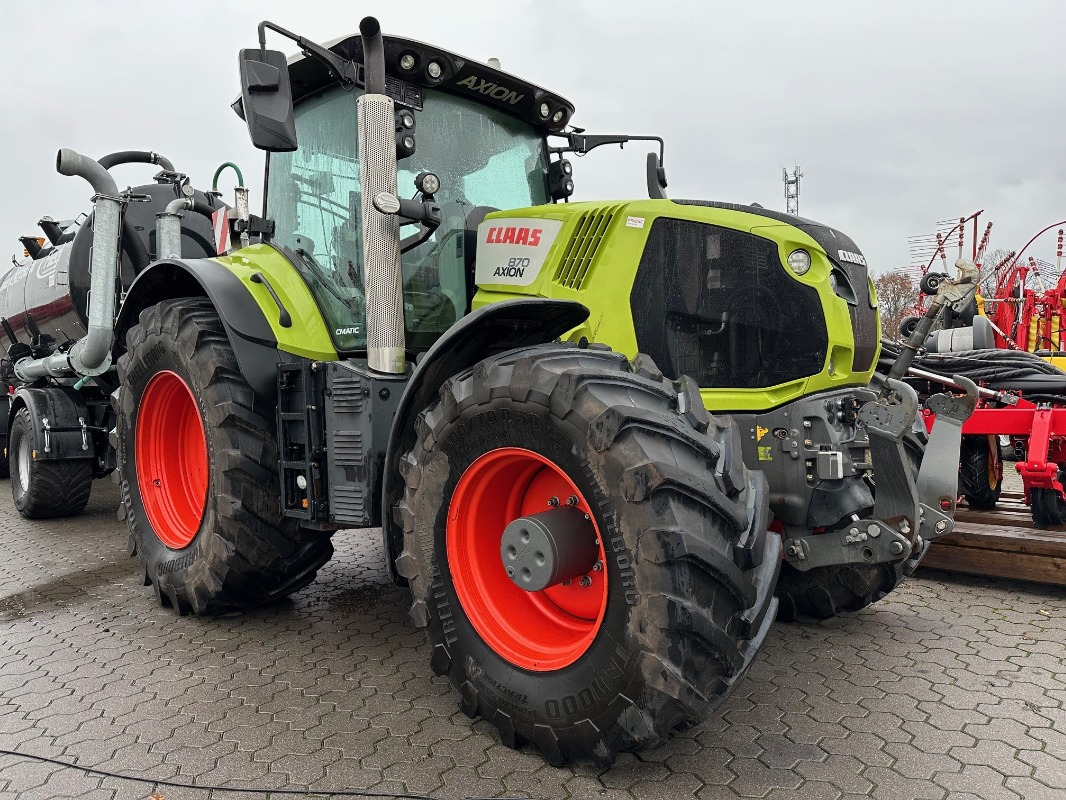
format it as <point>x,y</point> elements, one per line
<point>308,335</point>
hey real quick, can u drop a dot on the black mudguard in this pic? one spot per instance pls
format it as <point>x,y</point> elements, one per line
<point>249,332</point>
<point>491,329</point>
<point>59,418</point>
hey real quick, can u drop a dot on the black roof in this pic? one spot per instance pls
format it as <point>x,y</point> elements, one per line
<point>459,75</point>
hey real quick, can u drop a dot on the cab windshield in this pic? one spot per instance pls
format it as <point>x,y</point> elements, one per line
<point>485,160</point>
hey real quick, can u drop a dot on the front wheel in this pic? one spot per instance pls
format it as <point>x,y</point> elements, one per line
<point>586,550</point>
<point>197,462</point>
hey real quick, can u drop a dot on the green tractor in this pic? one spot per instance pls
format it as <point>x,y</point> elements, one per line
<point>602,441</point>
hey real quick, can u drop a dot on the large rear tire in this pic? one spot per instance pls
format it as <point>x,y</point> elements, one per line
<point>679,599</point>
<point>197,463</point>
<point>980,472</point>
<point>44,489</point>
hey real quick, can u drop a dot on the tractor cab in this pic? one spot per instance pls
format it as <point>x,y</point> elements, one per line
<point>480,131</point>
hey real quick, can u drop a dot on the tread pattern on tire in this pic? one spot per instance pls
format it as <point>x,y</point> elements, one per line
<point>247,553</point>
<point>692,516</point>
<point>973,474</point>
<point>57,488</point>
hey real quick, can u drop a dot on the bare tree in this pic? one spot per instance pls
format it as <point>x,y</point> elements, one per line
<point>896,296</point>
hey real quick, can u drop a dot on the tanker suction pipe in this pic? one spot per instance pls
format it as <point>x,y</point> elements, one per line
<point>168,224</point>
<point>90,355</point>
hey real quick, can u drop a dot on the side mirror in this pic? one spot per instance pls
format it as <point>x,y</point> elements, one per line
<point>266,98</point>
<point>656,178</point>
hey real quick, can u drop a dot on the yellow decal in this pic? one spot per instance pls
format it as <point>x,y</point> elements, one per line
<point>760,432</point>
<point>766,453</point>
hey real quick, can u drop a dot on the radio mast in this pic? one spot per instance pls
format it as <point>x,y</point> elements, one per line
<point>792,189</point>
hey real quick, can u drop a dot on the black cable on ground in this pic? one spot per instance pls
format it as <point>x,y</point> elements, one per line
<point>205,787</point>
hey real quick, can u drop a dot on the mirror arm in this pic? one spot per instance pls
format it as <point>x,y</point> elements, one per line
<point>347,72</point>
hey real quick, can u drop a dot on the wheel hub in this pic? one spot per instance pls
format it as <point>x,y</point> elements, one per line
<point>545,549</point>
<point>503,495</point>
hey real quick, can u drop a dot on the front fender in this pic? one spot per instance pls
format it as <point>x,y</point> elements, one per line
<point>251,336</point>
<point>494,328</point>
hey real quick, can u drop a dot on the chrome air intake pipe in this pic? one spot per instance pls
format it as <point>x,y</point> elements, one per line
<point>90,355</point>
<point>381,232</point>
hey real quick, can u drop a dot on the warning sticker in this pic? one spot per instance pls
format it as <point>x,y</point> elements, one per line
<point>634,222</point>
<point>512,251</point>
<point>766,453</point>
<point>760,432</point>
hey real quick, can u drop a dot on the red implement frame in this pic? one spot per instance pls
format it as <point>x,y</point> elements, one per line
<point>1043,427</point>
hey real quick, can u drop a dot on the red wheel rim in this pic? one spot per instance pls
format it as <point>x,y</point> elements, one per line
<point>539,631</point>
<point>171,451</point>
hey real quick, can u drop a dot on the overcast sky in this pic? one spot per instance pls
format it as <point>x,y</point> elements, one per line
<point>900,113</point>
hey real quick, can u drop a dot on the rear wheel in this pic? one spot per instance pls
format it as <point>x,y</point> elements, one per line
<point>197,462</point>
<point>980,472</point>
<point>44,488</point>
<point>586,549</point>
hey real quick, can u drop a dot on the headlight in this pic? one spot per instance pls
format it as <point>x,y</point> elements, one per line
<point>799,261</point>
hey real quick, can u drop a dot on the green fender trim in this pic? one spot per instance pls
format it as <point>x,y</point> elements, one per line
<point>308,335</point>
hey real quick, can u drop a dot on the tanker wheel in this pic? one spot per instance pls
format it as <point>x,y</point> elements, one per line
<point>197,463</point>
<point>586,549</point>
<point>980,473</point>
<point>826,592</point>
<point>43,489</point>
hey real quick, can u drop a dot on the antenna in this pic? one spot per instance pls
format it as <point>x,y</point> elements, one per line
<point>792,189</point>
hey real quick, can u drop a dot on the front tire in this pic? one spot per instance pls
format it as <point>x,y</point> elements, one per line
<point>679,599</point>
<point>197,463</point>
<point>44,489</point>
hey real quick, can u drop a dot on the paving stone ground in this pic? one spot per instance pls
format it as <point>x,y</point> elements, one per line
<point>953,687</point>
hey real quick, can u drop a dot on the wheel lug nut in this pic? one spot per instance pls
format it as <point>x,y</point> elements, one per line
<point>598,566</point>
<point>571,500</point>
<point>553,501</point>
<point>567,582</point>
<point>585,581</point>
<point>510,572</point>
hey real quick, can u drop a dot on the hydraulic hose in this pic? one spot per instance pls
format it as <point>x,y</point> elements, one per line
<point>135,157</point>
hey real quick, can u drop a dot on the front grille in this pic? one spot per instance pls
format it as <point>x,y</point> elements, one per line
<point>717,304</point>
<point>576,265</point>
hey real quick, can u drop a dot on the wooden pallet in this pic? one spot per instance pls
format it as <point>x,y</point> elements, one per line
<point>1003,543</point>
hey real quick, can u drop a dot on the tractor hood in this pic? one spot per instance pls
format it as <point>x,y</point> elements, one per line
<point>846,257</point>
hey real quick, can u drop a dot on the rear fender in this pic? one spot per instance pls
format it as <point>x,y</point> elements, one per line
<point>494,328</point>
<point>251,336</point>
<point>59,420</point>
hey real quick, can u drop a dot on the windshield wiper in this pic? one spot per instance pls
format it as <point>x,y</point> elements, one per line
<point>316,271</point>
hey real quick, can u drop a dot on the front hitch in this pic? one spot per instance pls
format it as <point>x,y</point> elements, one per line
<point>909,511</point>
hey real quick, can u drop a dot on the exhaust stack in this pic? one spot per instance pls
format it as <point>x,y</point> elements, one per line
<point>381,232</point>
